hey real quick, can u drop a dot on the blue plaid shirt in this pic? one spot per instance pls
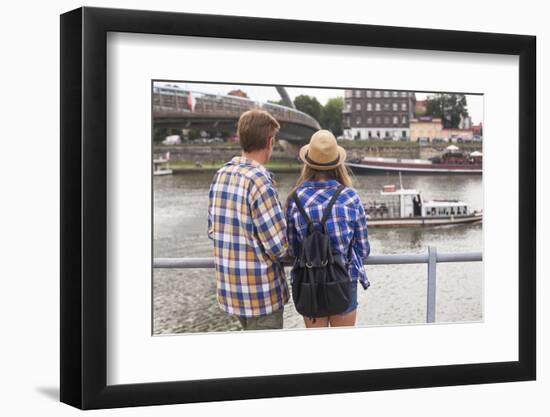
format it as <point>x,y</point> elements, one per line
<point>347,224</point>
<point>248,227</point>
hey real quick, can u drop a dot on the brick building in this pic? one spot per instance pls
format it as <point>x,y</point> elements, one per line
<point>377,114</point>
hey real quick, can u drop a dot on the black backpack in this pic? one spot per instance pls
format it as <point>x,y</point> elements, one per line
<point>321,283</point>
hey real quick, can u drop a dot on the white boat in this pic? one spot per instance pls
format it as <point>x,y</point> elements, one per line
<point>406,207</point>
<point>160,167</point>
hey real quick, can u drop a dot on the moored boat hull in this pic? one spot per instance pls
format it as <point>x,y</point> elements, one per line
<point>160,172</point>
<point>424,221</point>
<point>415,168</point>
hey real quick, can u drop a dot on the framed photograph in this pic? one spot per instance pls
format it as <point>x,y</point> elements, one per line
<point>258,208</point>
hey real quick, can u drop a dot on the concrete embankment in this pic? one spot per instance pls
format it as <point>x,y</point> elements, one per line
<point>201,157</point>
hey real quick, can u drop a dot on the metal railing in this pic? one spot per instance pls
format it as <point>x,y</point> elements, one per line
<point>431,258</point>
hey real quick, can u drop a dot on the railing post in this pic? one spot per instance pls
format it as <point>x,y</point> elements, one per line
<point>432,263</point>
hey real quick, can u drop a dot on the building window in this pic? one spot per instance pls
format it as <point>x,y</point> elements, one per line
<point>386,120</point>
<point>377,93</point>
<point>369,120</point>
<point>369,93</point>
<point>378,134</point>
<point>370,134</point>
<point>349,93</point>
<point>386,106</point>
<point>394,120</point>
<point>357,93</point>
<point>394,107</point>
<point>396,94</point>
<point>377,106</point>
<point>404,120</point>
<point>387,134</point>
<point>358,106</point>
<point>386,93</point>
<point>358,120</point>
<point>369,106</point>
<point>403,94</point>
<point>403,133</point>
<point>404,106</point>
<point>377,120</point>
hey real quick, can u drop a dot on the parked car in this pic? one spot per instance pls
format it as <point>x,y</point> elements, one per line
<point>172,140</point>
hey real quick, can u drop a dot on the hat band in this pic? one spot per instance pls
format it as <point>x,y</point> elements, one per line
<point>311,161</point>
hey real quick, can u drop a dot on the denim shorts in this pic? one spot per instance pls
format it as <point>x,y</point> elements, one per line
<point>354,303</point>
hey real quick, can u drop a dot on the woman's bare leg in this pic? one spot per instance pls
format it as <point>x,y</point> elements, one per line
<point>319,322</point>
<point>343,319</point>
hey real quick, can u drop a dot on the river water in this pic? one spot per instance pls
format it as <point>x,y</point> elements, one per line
<point>184,300</point>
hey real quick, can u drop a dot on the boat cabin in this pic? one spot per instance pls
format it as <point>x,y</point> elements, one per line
<point>444,208</point>
<point>409,203</point>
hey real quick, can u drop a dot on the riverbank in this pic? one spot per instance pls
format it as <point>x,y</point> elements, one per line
<point>278,167</point>
<point>209,157</point>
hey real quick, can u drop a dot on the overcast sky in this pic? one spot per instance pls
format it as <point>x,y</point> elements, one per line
<point>264,93</point>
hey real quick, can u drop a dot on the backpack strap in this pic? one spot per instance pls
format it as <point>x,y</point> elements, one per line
<point>328,210</point>
<point>302,211</point>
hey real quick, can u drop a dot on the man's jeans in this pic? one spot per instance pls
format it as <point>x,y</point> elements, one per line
<point>270,322</point>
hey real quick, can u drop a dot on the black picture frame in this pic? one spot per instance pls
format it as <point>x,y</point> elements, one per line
<point>84,207</point>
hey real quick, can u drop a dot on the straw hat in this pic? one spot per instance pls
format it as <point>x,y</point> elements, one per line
<point>322,152</point>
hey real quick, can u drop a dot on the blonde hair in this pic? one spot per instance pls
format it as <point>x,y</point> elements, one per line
<point>340,174</point>
<point>254,129</point>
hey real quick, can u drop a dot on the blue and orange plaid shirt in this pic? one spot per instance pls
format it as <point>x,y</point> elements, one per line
<point>248,227</point>
<point>347,224</point>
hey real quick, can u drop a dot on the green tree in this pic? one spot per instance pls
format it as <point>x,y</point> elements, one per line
<point>331,115</point>
<point>419,112</point>
<point>194,134</point>
<point>448,107</point>
<point>309,105</point>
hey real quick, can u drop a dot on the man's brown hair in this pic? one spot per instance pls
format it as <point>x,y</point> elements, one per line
<point>254,129</point>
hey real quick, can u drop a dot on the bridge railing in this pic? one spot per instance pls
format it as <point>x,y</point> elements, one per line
<point>230,106</point>
<point>431,258</point>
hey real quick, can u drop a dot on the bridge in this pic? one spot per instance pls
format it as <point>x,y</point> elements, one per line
<point>186,109</point>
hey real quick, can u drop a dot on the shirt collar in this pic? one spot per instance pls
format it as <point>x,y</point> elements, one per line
<point>320,184</point>
<point>241,160</point>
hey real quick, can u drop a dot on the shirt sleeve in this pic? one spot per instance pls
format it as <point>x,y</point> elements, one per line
<point>210,227</point>
<point>291,231</point>
<point>269,220</point>
<point>361,243</point>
